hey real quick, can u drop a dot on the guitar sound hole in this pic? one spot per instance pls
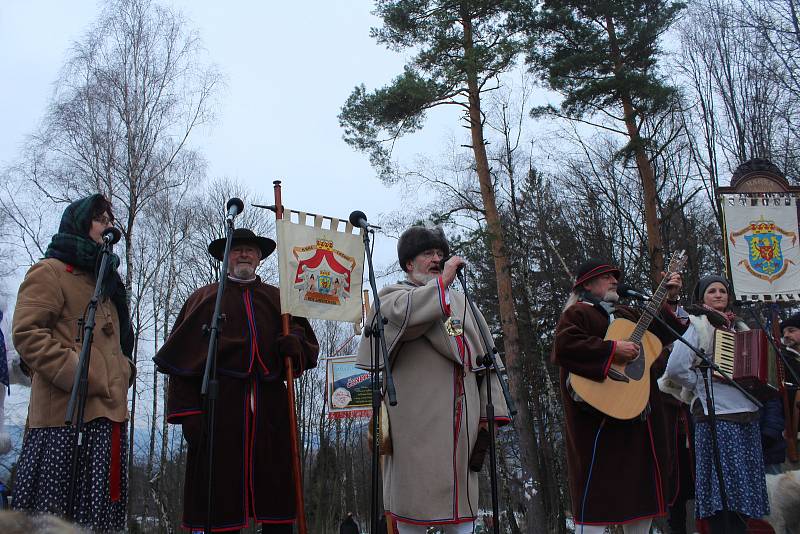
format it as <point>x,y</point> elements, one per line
<point>634,369</point>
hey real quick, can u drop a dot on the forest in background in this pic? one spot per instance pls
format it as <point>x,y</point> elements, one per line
<point>588,130</point>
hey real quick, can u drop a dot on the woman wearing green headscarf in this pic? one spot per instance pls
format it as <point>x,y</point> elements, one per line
<point>47,332</point>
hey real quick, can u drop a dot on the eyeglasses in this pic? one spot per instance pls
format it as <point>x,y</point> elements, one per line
<point>431,253</point>
<point>103,219</point>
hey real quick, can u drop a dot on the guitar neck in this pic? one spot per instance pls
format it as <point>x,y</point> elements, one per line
<point>649,312</point>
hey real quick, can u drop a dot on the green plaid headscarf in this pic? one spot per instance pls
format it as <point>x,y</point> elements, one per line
<point>73,245</point>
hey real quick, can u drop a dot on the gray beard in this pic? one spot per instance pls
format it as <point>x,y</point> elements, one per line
<point>792,345</point>
<point>611,296</point>
<point>244,272</point>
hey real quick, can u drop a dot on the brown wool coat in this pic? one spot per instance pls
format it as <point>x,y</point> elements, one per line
<point>252,453</point>
<point>51,300</point>
<point>629,477</point>
<point>426,479</point>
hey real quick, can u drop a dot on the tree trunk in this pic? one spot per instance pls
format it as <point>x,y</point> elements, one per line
<point>535,520</point>
<point>152,449</point>
<point>654,245</point>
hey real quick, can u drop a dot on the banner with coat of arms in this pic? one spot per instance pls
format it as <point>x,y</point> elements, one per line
<point>762,242</point>
<point>320,268</point>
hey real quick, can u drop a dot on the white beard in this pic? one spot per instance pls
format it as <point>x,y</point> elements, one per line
<point>611,296</point>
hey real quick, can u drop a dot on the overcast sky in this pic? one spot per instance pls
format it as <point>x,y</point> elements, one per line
<point>288,69</point>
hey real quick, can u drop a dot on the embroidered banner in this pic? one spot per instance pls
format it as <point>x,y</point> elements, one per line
<point>762,243</point>
<point>348,390</point>
<point>320,269</point>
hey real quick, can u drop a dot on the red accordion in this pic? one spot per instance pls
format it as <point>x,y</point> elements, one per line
<point>748,358</point>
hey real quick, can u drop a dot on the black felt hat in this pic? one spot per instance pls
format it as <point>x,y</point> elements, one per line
<point>793,320</point>
<point>594,268</point>
<point>419,239</point>
<point>242,236</point>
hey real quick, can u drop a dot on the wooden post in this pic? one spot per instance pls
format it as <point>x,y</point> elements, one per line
<point>296,470</point>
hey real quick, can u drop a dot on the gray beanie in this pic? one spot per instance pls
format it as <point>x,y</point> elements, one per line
<point>702,286</point>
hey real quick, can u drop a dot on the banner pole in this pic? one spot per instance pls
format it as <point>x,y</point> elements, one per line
<point>296,471</point>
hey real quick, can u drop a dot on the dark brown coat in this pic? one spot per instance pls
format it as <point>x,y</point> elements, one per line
<point>628,478</point>
<point>252,454</point>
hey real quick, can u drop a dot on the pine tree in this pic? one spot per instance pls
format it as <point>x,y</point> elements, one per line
<point>602,57</point>
<point>461,47</point>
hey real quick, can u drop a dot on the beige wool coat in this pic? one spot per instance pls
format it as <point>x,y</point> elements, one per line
<point>440,404</point>
<point>46,331</point>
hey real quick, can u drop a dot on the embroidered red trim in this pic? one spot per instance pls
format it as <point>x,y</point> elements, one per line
<point>610,359</point>
<point>597,271</point>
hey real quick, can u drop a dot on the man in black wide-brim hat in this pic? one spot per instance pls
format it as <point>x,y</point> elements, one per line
<point>252,455</point>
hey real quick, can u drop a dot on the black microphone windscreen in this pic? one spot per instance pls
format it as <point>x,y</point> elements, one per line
<point>112,235</point>
<point>623,288</point>
<point>235,202</point>
<point>356,217</point>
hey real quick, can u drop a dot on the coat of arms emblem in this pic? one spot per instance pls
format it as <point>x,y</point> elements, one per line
<point>765,258</point>
<point>323,273</point>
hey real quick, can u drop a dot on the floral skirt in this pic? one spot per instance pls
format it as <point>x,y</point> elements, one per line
<point>742,469</point>
<point>43,474</point>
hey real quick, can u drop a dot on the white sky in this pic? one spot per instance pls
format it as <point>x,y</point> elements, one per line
<point>289,68</point>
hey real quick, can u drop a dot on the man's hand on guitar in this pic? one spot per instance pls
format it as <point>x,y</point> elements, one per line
<point>625,352</point>
<point>674,284</point>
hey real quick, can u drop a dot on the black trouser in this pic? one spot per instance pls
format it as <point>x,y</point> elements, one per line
<point>276,529</point>
<point>737,523</point>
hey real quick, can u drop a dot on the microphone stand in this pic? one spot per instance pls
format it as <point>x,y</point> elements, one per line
<point>706,366</point>
<point>376,330</point>
<point>210,388</point>
<point>80,384</point>
<point>488,362</point>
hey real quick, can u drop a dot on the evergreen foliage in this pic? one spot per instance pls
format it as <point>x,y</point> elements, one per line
<point>455,42</point>
<point>596,54</point>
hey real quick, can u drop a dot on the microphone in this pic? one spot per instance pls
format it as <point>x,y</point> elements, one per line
<point>235,206</point>
<point>111,235</point>
<point>624,290</point>
<point>359,219</point>
<point>459,269</point>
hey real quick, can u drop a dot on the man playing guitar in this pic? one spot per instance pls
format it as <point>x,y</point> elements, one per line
<point>615,467</point>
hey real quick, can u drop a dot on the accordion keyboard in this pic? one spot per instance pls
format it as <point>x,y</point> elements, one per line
<point>724,350</point>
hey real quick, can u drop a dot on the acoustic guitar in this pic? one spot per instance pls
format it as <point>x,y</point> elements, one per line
<point>624,393</point>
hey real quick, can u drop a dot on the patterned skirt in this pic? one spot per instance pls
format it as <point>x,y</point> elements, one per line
<point>742,469</point>
<point>43,473</point>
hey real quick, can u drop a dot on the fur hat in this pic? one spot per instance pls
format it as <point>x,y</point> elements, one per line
<point>419,239</point>
<point>594,268</point>
<point>793,320</point>
<point>702,286</point>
